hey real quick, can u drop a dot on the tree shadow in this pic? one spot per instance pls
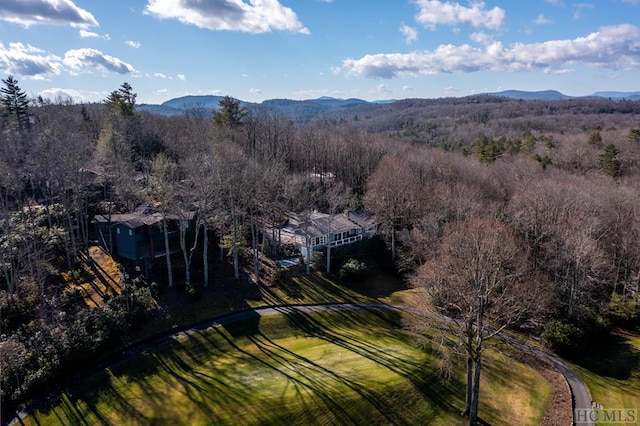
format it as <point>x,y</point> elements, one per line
<point>176,362</point>
<point>612,356</point>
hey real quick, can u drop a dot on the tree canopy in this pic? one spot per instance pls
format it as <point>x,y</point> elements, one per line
<point>15,104</point>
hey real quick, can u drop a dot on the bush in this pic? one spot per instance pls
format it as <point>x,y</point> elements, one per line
<point>624,312</point>
<point>563,338</point>
<point>353,270</point>
<point>318,260</point>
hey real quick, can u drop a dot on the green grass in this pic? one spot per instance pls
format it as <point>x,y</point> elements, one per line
<point>612,372</point>
<point>328,368</point>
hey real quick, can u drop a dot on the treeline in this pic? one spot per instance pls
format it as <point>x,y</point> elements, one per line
<point>573,201</point>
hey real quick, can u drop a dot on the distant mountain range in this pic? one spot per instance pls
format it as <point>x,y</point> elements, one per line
<point>554,95</point>
<point>304,109</point>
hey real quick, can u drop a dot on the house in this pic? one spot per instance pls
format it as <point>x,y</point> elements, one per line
<point>140,234</point>
<point>320,230</point>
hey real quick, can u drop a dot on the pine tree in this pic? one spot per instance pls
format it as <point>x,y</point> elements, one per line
<point>122,101</point>
<point>609,162</point>
<point>15,104</point>
<point>230,114</point>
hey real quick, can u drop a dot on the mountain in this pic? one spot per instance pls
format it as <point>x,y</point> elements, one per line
<point>304,110</point>
<point>618,95</point>
<point>177,106</point>
<point>297,110</point>
<point>192,101</point>
<point>545,95</point>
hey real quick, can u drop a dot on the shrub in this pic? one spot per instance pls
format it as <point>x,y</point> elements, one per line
<point>318,260</point>
<point>563,338</point>
<point>353,270</point>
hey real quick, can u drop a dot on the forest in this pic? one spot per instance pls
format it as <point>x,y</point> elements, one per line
<point>561,177</point>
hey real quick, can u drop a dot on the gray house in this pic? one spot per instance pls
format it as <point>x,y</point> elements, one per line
<point>320,230</point>
<point>139,234</point>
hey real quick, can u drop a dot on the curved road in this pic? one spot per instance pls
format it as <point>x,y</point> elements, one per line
<point>579,391</point>
<point>581,397</point>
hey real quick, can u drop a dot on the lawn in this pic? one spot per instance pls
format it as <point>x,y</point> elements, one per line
<point>612,372</point>
<point>324,368</point>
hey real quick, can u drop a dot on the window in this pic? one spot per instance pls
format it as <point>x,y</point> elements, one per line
<point>118,231</point>
<point>131,232</point>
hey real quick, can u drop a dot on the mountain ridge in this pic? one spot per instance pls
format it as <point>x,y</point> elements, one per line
<point>303,109</point>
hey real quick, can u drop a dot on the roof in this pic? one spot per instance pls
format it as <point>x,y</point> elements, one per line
<point>143,215</point>
<point>319,224</point>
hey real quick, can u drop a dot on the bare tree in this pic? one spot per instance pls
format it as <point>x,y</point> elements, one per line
<point>163,190</point>
<point>393,196</point>
<point>480,281</point>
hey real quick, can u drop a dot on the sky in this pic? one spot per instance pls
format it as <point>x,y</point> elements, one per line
<point>255,50</point>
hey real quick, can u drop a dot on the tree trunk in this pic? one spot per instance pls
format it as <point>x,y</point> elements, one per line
<point>477,362</point>
<point>236,266</point>
<point>393,244</point>
<point>308,262</point>
<point>167,253</point>
<point>183,247</point>
<point>475,396</point>
<point>469,385</point>
<point>329,255</point>
<point>205,255</point>
<point>254,247</point>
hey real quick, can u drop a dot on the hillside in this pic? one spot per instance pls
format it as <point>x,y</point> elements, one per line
<point>304,110</point>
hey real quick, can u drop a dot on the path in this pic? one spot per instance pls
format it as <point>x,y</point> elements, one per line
<point>579,391</point>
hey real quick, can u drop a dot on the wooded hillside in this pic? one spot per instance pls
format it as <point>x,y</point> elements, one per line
<point>564,176</point>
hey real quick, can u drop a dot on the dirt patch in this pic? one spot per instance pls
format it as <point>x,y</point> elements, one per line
<point>560,409</point>
<point>98,277</point>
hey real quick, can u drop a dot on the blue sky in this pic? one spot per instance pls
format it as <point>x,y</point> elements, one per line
<point>299,49</point>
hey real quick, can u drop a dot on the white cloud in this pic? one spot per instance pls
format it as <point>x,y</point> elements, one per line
<point>432,13</point>
<point>542,20</point>
<point>559,71</point>
<point>610,47</point>
<point>255,91</point>
<point>56,94</point>
<point>410,34</point>
<point>383,88</point>
<point>482,38</point>
<point>134,44</point>
<point>79,60</point>
<point>30,61</point>
<point>556,2</point>
<point>90,34</point>
<point>182,77</point>
<point>27,60</point>
<point>52,12</point>
<point>257,16</point>
<point>407,88</point>
<point>160,75</point>
<point>632,1</point>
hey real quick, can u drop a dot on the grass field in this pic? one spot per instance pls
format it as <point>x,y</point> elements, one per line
<point>324,368</point>
<point>612,373</point>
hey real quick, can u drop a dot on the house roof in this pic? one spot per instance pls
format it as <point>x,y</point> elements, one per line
<point>319,224</point>
<point>143,215</point>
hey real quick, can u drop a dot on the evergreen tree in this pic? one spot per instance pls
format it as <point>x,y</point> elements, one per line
<point>230,114</point>
<point>609,162</point>
<point>122,101</point>
<point>15,103</point>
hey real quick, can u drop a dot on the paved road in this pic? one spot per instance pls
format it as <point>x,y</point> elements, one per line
<point>579,391</point>
<point>582,408</point>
